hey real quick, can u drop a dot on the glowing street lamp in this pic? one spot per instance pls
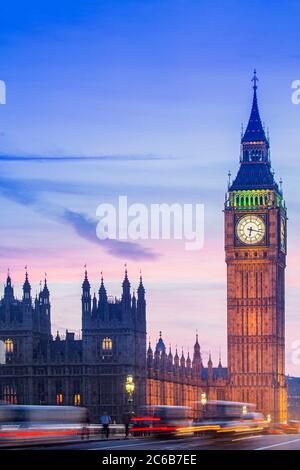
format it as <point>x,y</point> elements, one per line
<point>244,410</point>
<point>129,387</point>
<point>269,418</point>
<point>203,399</point>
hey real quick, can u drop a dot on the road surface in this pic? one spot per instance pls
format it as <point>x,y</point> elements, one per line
<point>252,442</point>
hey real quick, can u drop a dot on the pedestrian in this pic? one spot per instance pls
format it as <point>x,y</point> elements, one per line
<point>126,421</point>
<point>105,420</point>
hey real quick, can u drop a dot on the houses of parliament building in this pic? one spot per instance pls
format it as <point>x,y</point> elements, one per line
<point>38,368</point>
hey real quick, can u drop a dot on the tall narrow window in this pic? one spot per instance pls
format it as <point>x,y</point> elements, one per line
<point>59,399</point>
<point>9,394</point>
<point>77,399</point>
<point>107,344</point>
<point>9,346</point>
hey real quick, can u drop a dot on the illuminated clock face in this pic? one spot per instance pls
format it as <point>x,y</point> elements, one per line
<point>282,232</point>
<point>250,229</point>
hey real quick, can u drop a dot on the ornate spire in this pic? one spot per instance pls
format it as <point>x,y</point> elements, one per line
<point>149,356</point>
<point>141,289</point>
<point>176,358</point>
<point>209,369</point>
<point>86,285</point>
<point>126,284</point>
<point>197,354</point>
<point>102,290</point>
<point>8,279</point>
<point>188,360</point>
<point>254,131</point>
<point>220,361</point>
<point>26,276</point>
<point>126,281</point>
<point>26,286</point>
<point>182,359</point>
<point>160,346</point>
<point>45,289</point>
<point>255,169</point>
<point>8,289</point>
<point>133,300</point>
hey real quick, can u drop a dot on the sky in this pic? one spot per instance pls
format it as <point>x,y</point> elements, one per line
<point>144,99</point>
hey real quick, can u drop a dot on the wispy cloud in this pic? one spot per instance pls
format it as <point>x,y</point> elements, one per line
<point>29,193</point>
<point>72,158</point>
<point>85,228</point>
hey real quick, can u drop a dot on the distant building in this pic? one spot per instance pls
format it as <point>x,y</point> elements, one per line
<point>181,381</point>
<point>293,390</point>
<point>92,371</point>
<point>40,369</point>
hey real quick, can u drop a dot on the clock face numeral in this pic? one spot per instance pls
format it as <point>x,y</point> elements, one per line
<point>250,229</point>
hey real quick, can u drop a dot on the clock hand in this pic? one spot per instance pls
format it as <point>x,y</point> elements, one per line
<point>253,230</point>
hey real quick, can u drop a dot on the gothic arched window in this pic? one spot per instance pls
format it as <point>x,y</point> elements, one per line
<point>9,346</point>
<point>107,344</point>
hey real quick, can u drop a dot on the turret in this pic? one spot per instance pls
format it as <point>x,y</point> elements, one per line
<point>102,293</point>
<point>86,297</point>
<point>163,360</point>
<point>44,309</point>
<point>176,360</point>
<point>26,290</point>
<point>94,307</point>
<point>188,365</point>
<point>133,303</point>
<point>149,357</point>
<point>126,296</point>
<point>220,367</point>
<point>182,364</point>
<point>170,361</point>
<point>8,289</point>
<point>27,301</point>
<point>156,358</point>
<point>45,297</point>
<point>141,304</point>
<point>197,361</point>
<point>209,370</point>
<point>160,346</point>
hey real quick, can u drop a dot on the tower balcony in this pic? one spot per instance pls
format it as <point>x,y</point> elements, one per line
<point>253,199</point>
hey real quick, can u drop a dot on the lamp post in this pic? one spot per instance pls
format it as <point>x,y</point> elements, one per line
<point>129,387</point>
<point>203,401</point>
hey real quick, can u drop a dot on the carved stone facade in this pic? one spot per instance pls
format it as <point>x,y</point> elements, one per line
<point>91,371</point>
<point>181,381</point>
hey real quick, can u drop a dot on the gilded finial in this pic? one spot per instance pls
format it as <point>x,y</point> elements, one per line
<point>229,178</point>
<point>254,80</point>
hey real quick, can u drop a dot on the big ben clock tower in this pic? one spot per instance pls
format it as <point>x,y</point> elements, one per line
<point>255,247</point>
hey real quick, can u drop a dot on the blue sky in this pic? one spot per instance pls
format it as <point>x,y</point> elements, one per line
<point>157,91</point>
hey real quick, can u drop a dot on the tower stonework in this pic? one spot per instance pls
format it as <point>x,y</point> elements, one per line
<point>255,251</point>
<point>113,347</point>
